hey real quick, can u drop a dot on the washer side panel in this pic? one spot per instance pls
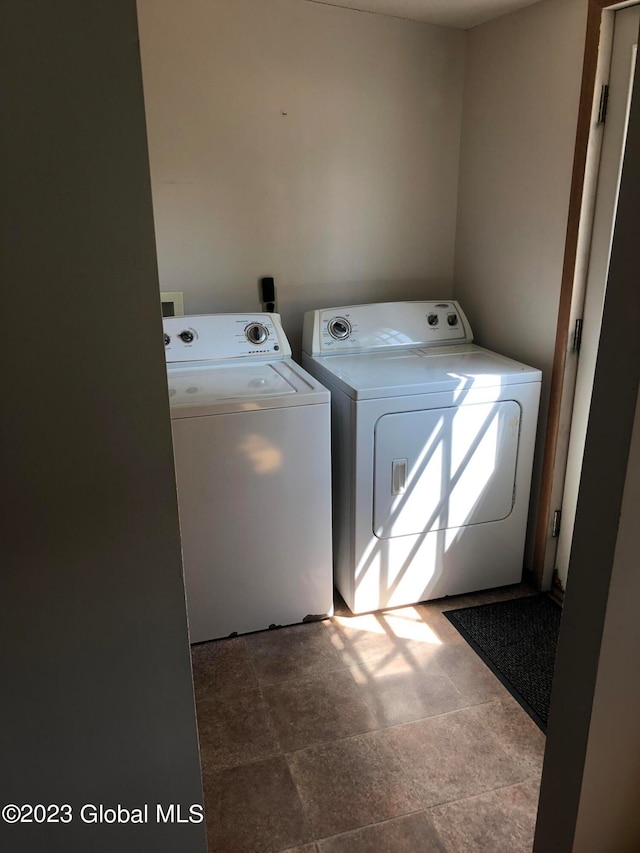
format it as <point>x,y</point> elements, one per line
<point>254,495</point>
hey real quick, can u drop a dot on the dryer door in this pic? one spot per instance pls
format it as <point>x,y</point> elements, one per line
<point>443,468</point>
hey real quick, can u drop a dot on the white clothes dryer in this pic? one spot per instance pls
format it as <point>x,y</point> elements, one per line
<point>251,434</point>
<point>433,441</point>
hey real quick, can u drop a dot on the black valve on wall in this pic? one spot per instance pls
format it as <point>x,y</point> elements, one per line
<point>268,294</point>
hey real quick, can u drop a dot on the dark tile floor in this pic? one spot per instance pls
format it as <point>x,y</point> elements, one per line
<point>382,733</point>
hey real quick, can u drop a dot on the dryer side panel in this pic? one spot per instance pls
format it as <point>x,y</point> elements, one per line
<point>445,468</point>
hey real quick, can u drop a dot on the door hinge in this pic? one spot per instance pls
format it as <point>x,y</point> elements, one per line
<point>557,519</point>
<point>577,336</point>
<point>602,107</point>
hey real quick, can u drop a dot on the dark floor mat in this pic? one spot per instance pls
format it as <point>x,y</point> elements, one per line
<point>517,640</point>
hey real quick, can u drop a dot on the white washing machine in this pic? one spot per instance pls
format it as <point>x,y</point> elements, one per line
<point>251,434</point>
<point>433,441</point>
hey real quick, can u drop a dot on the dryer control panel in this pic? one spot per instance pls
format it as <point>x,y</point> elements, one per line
<point>209,337</point>
<point>362,328</point>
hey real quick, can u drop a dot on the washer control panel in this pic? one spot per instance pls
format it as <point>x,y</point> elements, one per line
<point>389,324</point>
<point>206,337</point>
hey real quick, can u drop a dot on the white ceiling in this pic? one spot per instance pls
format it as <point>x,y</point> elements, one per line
<point>446,13</point>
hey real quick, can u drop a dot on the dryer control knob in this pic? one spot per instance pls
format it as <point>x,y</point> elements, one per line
<point>167,339</point>
<point>339,328</point>
<point>186,336</point>
<point>432,319</point>
<point>256,333</point>
<point>452,319</point>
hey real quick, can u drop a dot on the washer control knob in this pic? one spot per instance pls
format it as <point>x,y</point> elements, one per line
<point>339,328</point>
<point>256,333</point>
<point>167,339</point>
<point>432,319</point>
<point>452,319</point>
<point>186,336</point>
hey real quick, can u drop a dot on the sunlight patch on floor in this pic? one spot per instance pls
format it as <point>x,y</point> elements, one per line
<point>405,623</point>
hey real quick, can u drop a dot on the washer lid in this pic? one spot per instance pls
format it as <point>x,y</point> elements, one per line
<point>203,388</point>
<point>421,371</point>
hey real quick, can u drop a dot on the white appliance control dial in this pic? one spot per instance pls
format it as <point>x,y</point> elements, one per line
<point>167,339</point>
<point>432,319</point>
<point>452,319</point>
<point>256,333</point>
<point>339,328</point>
<point>186,336</point>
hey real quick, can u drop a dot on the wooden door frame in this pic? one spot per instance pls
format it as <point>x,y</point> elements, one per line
<point>583,129</point>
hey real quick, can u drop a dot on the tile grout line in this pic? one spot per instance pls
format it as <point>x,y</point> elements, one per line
<point>305,812</point>
<point>367,825</point>
<point>381,728</point>
<point>529,780</point>
<point>355,828</point>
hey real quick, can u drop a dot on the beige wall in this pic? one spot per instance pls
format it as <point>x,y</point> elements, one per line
<point>97,697</point>
<point>522,83</point>
<point>612,770</point>
<point>314,144</point>
<point>591,775</point>
<point>337,151</point>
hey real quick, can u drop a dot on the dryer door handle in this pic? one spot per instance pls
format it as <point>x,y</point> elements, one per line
<point>398,476</point>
